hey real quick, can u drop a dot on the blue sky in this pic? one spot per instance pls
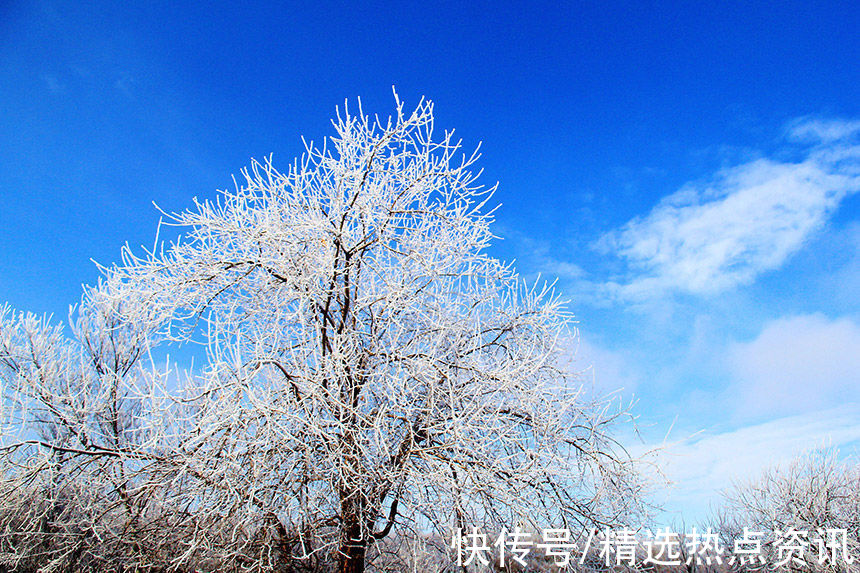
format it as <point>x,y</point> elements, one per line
<point>690,173</point>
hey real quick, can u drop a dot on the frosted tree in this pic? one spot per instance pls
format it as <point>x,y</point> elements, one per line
<point>369,372</point>
<point>817,496</point>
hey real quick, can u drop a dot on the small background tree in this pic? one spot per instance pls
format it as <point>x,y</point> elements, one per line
<point>813,493</point>
<point>369,371</point>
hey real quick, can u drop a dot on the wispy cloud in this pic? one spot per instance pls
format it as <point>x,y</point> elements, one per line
<point>748,219</point>
<point>707,464</point>
<point>53,83</point>
<point>607,371</point>
<point>798,376</point>
<point>796,364</point>
<point>819,130</point>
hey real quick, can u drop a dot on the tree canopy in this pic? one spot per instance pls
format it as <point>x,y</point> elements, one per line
<point>370,371</point>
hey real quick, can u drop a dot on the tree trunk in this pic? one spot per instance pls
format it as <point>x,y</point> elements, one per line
<point>353,549</point>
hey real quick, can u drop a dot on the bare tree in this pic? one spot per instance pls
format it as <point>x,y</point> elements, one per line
<point>814,494</point>
<point>368,369</point>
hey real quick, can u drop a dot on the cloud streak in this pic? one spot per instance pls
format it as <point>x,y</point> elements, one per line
<point>707,464</point>
<point>749,219</point>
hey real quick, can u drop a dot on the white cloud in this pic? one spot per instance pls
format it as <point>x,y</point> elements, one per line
<point>821,130</point>
<point>606,370</point>
<point>705,239</point>
<point>796,364</point>
<point>801,374</point>
<point>843,283</point>
<point>703,466</point>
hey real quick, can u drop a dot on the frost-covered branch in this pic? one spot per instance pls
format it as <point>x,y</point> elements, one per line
<point>370,371</point>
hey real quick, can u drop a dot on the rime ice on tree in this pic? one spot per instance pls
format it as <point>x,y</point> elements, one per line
<point>370,371</point>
